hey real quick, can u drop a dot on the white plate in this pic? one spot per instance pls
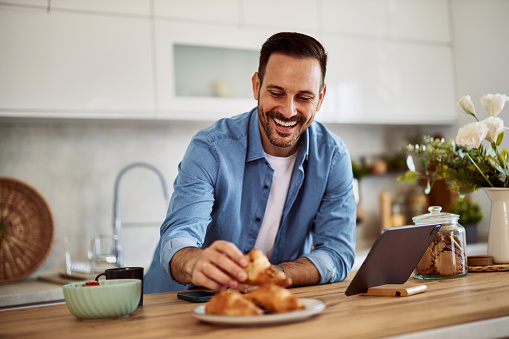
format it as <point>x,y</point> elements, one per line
<point>313,306</point>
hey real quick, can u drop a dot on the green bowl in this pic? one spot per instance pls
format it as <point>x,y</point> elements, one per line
<point>116,298</point>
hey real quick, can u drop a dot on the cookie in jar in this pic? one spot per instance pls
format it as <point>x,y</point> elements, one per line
<point>446,256</point>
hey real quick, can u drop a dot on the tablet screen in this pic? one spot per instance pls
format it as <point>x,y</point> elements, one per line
<point>393,257</point>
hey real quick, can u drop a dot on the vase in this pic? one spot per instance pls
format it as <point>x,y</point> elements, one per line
<point>498,236</point>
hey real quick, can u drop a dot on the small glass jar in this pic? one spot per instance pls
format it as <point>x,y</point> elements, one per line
<point>446,256</point>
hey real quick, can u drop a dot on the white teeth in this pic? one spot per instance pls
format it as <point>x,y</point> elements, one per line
<point>285,124</point>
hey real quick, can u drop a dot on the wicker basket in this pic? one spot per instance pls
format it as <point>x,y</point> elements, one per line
<point>28,232</point>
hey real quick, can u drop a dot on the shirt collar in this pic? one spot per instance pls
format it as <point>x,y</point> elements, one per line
<point>255,149</point>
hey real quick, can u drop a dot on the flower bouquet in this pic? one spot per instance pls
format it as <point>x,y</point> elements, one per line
<point>466,164</point>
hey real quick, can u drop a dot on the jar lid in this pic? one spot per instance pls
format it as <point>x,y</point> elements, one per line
<point>435,216</point>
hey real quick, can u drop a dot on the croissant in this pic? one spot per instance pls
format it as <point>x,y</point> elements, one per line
<point>275,299</point>
<point>261,272</point>
<point>230,302</point>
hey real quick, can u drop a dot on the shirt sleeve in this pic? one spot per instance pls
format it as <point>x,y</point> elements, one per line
<point>335,224</point>
<point>190,207</point>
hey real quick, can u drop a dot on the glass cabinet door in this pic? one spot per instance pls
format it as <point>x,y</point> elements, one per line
<point>202,71</point>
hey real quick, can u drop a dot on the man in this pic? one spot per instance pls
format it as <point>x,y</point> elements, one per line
<point>270,178</point>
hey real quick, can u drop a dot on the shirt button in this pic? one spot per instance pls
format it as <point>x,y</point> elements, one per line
<point>258,219</point>
<point>266,186</point>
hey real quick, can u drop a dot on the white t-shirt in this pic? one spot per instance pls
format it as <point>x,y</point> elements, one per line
<point>283,168</point>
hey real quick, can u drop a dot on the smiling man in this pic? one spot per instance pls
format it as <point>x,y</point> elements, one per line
<point>272,179</point>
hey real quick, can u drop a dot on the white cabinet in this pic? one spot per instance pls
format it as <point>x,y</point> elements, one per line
<point>390,61</point>
<point>354,17</point>
<point>426,20</point>
<point>219,11</point>
<point>388,82</point>
<point>177,104</point>
<point>131,7</point>
<point>282,15</point>
<point>33,3</point>
<point>74,64</point>
<point>411,20</point>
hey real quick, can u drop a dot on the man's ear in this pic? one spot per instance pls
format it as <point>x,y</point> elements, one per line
<point>256,85</point>
<point>322,95</point>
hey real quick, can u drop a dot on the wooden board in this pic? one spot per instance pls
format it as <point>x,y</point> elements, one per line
<point>396,290</point>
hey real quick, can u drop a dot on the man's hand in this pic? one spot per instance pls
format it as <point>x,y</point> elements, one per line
<point>216,267</point>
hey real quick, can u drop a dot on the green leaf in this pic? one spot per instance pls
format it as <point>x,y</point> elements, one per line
<point>500,137</point>
<point>409,176</point>
<point>503,155</point>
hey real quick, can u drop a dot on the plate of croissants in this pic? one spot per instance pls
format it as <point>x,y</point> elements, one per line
<point>270,303</point>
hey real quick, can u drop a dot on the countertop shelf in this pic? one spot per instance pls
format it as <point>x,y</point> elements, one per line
<point>30,292</point>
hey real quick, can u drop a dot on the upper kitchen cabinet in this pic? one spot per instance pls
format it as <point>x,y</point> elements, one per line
<point>32,3</point>
<point>282,15</point>
<point>219,11</point>
<point>131,7</point>
<point>410,20</point>
<point>354,17</point>
<point>204,71</point>
<point>426,20</point>
<point>75,64</point>
<point>388,82</point>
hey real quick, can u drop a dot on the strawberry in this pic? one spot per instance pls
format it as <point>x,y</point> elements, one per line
<point>92,283</point>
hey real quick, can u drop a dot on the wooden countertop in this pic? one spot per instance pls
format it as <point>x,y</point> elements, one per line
<point>448,302</point>
<point>39,291</point>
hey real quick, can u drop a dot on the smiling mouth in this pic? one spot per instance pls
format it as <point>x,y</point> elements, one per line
<point>285,124</point>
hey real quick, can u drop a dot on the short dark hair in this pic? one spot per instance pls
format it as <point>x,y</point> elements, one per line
<point>292,44</point>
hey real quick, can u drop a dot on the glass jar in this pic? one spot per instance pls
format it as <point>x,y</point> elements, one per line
<point>446,256</point>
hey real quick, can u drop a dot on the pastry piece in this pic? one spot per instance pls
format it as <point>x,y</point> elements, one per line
<point>230,302</point>
<point>438,248</point>
<point>427,263</point>
<point>276,299</point>
<point>449,263</point>
<point>261,272</point>
<point>480,260</point>
<point>453,243</point>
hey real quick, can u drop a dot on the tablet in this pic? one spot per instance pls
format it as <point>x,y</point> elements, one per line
<point>393,257</point>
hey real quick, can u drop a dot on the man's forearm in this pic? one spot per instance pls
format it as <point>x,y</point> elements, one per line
<point>182,263</point>
<point>302,272</point>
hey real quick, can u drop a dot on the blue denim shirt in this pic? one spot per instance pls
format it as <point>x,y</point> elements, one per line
<point>223,185</point>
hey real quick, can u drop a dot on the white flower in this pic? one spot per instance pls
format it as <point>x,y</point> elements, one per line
<point>467,104</point>
<point>494,103</point>
<point>472,134</point>
<point>495,127</point>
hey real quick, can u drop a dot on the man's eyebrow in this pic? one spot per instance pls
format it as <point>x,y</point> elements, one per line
<point>279,88</point>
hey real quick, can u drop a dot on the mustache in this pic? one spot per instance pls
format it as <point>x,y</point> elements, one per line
<point>279,116</point>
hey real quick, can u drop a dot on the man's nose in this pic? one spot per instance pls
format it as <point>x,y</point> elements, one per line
<point>289,109</point>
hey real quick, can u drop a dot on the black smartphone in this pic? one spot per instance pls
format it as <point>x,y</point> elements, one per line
<point>195,296</point>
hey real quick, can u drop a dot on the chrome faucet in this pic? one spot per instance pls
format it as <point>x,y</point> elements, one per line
<point>119,254</point>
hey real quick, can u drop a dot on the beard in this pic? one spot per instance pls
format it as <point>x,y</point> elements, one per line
<point>276,138</point>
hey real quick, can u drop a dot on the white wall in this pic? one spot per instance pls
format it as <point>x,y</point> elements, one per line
<point>74,163</point>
